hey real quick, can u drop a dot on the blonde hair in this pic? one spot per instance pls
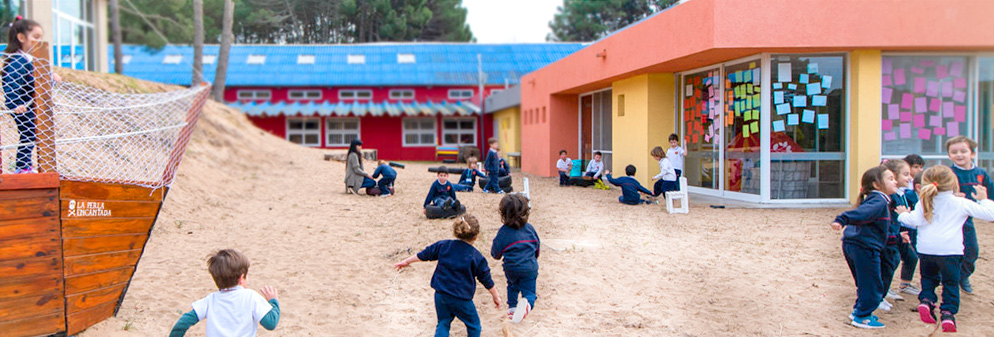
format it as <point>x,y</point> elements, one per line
<point>466,227</point>
<point>935,179</point>
<point>658,152</point>
<point>382,162</point>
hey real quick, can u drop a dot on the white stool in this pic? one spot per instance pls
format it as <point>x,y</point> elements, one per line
<point>681,195</point>
<point>527,192</point>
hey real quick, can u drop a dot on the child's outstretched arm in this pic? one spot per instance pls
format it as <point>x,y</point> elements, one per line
<point>983,208</point>
<point>911,219</point>
<point>864,214</point>
<point>407,262</point>
<point>272,318</point>
<point>184,323</point>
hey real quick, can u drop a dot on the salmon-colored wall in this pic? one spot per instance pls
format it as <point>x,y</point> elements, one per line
<point>699,33</point>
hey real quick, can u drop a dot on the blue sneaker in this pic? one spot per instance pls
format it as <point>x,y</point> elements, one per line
<point>868,322</point>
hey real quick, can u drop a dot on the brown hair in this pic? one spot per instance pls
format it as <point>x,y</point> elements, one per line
<point>895,165</point>
<point>493,140</point>
<point>466,228</point>
<point>658,152</point>
<point>20,26</point>
<point>873,175</point>
<point>226,267</point>
<point>962,139</point>
<point>514,210</point>
<point>935,179</point>
<point>382,162</point>
<point>471,160</point>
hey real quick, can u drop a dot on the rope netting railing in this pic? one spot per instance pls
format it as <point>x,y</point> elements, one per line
<point>88,134</point>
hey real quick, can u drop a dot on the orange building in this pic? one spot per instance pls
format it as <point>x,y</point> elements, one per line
<point>774,100</point>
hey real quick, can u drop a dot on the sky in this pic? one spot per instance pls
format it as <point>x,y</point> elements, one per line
<point>510,21</point>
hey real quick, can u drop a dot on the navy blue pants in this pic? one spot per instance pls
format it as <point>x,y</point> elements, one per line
<point>971,250</point>
<point>640,201</point>
<point>461,187</point>
<point>864,263</point>
<point>439,201</point>
<point>385,184</point>
<point>448,308</point>
<point>909,258</point>
<point>890,259</point>
<point>679,173</point>
<point>663,186</point>
<point>520,282</point>
<point>943,270</point>
<point>26,128</point>
<point>493,184</point>
<point>563,178</point>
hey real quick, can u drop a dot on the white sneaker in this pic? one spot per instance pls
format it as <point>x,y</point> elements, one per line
<point>521,312</point>
<point>510,313</point>
<point>910,289</point>
<point>884,305</point>
<point>892,295</point>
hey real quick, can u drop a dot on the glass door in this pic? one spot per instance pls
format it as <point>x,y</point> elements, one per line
<point>742,170</point>
<point>595,127</point>
<point>702,117</point>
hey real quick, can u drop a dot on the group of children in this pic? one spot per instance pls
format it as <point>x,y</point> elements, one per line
<point>919,218</point>
<point>670,171</point>
<point>442,193</point>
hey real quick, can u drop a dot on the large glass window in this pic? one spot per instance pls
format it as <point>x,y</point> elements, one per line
<point>458,131</point>
<point>742,130</point>
<point>702,128</point>
<point>304,131</point>
<point>419,131</point>
<point>73,34</point>
<point>807,131</point>
<point>341,131</point>
<point>925,101</point>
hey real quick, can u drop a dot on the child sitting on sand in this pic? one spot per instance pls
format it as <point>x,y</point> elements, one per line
<point>458,264</point>
<point>518,245</point>
<point>442,193</point>
<point>389,175</point>
<point>630,187</point>
<point>232,310</point>
<point>469,175</point>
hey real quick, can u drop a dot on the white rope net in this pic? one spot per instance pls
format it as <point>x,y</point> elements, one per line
<point>87,134</point>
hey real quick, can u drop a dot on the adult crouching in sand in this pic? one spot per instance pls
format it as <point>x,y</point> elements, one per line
<point>355,176</point>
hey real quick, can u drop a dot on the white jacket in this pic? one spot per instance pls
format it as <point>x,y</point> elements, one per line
<point>666,170</point>
<point>944,235</point>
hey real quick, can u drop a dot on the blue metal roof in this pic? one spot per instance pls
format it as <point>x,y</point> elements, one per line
<point>435,64</point>
<point>395,109</point>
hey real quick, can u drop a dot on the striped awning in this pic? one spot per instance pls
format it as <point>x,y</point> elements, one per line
<point>392,109</point>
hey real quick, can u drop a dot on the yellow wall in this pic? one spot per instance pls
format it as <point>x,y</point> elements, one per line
<point>649,118</point>
<point>864,126</point>
<point>509,130</point>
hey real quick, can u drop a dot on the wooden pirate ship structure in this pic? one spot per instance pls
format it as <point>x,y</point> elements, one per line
<point>73,229</point>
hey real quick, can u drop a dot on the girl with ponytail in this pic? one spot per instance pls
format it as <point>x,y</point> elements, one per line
<point>939,217</point>
<point>458,264</point>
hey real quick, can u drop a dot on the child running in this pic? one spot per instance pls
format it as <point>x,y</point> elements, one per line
<point>518,245</point>
<point>962,152</point>
<point>233,310</point>
<point>630,187</point>
<point>389,175</point>
<point>940,217</point>
<point>890,256</point>
<point>862,240</point>
<point>458,264</point>
<point>468,177</point>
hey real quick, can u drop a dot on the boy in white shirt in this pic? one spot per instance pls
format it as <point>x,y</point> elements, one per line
<point>564,165</point>
<point>675,154</point>
<point>232,311</point>
<point>594,170</point>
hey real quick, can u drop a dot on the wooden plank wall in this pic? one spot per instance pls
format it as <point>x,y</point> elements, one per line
<point>104,230</point>
<point>31,281</point>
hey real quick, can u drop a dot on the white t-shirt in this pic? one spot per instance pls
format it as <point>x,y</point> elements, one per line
<point>232,312</point>
<point>675,155</point>
<point>943,236</point>
<point>563,164</point>
<point>595,167</point>
<point>666,171</point>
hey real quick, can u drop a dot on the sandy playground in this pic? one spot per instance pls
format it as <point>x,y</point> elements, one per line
<point>607,269</point>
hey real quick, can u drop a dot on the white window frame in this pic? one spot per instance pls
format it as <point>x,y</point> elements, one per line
<point>419,131</point>
<point>254,94</point>
<point>305,94</point>
<point>353,94</point>
<point>306,59</point>
<point>406,58</point>
<point>172,59</point>
<point>401,96</point>
<point>209,59</point>
<point>356,59</point>
<point>457,94</point>
<point>343,132</point>
<point>304,133</point>
<point>458,131</point>
<point>256,59</point>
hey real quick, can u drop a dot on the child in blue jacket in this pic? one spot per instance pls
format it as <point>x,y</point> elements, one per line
<point>492,165</point>
<point>19,86</point>
<point>468,177</point>
<point>441,192</point>
<point>630,187</point>
<point>864,237</point>
<point>389,176</point>
<point>891,256</point>
<point>518,245</point>
<point>962,151</point>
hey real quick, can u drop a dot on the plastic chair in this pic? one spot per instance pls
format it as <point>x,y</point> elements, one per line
<point>681,195</point>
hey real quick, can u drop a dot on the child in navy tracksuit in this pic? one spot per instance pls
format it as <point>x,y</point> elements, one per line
<point>441,192</point>
<point>909,256</point>
<point>492,165</point>
<point>890,256</point>
<point>389,175</point>
<point>940,217</point>
<point>962,152</point>
<point>864,237</point>
<point>19,86</point>
<point>459,263</point>
<point>630,187</point>
<point>468,177</point>
<point>518,245</point>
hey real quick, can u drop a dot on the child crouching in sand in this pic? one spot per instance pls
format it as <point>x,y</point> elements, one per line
<point>233,310</point>
<point>458,264</point>
<point>518,245</point>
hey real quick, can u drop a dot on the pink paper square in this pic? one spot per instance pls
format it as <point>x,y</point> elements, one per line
<point>919,85</point>
<point>952,129</point>
<point>887,65</point>
<point>941,72</point>
<point>939,131</point>
<point>924,134</point>
<point>892,112</point>
<point>934,120</point>
<point>917,70</point>
<point>934,104</point>
<point>956,69</point>
<point>889,136</point>
<point>919,121</point>
<point>959,96</point>
<point>921,104</point>
<point>927,63</point>
<point>899,77</point>
<point>960,113</point>
<point>906,116</point>
<point>947,89</point>
<point>906,100</point>
<point>885,80</point>
<point>932,89</point>
<point>947,109</point>
<point>886,94</point>
<point>887,125</point>
<point>905,131</point>
<point>959,83</point>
